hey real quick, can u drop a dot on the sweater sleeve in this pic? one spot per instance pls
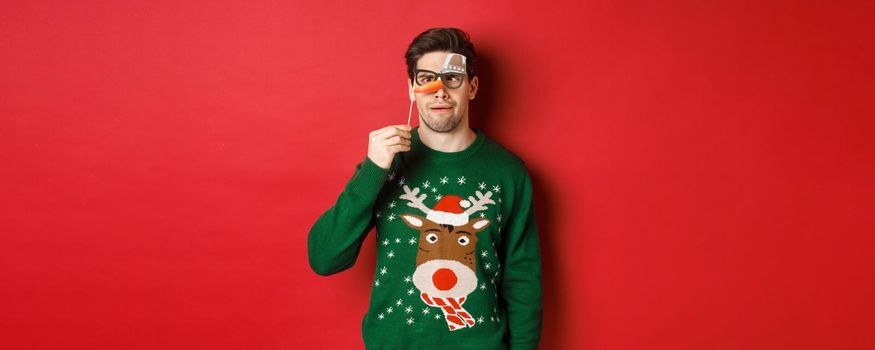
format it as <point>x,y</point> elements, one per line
<point>521,283</point>
<point>336,238</point>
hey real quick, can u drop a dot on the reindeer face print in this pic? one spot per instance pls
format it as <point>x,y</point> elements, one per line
<point>446,257</point>
<point>441,241</point>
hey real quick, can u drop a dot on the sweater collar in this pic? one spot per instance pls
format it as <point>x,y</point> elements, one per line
<point>422,150</point>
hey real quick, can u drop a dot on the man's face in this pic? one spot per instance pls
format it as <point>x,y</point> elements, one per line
<point>443,110</point>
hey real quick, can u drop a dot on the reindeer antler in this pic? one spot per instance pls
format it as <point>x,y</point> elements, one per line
<point>480,203</point>
<point>415,201</point>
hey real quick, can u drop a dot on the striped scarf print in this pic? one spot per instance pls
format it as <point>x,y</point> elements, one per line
<point>457,317</point>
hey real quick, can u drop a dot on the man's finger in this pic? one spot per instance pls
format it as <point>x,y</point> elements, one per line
<point>393,132</point>
<point>397,140</point>
<point>399,148</point>
<point>382,134</point>
<point>403,130</point>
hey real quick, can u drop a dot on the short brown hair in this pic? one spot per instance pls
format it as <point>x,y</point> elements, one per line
<point>453,40</point>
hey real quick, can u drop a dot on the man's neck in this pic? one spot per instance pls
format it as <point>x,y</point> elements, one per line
<point>453,141</point>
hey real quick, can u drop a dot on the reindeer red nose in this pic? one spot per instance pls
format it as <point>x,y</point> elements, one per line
<point>444,279</point>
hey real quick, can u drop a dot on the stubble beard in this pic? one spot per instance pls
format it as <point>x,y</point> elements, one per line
<point>441,124</point>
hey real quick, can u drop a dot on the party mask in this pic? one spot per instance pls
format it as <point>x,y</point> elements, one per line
<point>451,75</point>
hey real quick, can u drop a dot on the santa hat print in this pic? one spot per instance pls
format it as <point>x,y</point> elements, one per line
<point>450,210</point>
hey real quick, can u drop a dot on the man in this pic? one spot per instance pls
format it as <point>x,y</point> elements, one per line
<point>458,264</point>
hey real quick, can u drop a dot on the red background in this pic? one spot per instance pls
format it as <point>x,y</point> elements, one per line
<point>703,170</point>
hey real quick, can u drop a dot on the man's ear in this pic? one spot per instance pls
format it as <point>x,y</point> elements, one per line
<point>475,83</point>
<point>410,90</point>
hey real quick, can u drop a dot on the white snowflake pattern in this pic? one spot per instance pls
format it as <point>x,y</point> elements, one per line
<point>391,254</point>
<point>401,182</point>
<point>433,189</point>
<point>482,185</point>
<point>461,180</point>
<point>385,242</point>
<point>499,218</point>
<point>406,280</point>
<point>426,310</point>
<point>392,217</point>
<point>483,286</point>
<point>383,270</point>
<point>392,205</point>
<point>426,184</point>
<point>397,240</point>
<point>408,309</point>
<point>392,176</point>
<point>480,319</point>
<point>484,254</point>
<point>444,180</point>
<point>437,317</point>
<point>379,212</point>
<point>399,302</point>
<point>482,215</point>
<point>376,283</point>
<point>488,266</point>
<point>410,291</point>
<point>380,316</point>
<point>496,188</point>
<point>412,240</point>
<point>410,321</point>
<point>491,318</point>
<point>438,196</point>
<point>389,310</point>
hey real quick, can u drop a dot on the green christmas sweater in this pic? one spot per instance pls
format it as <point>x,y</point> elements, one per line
<point>458,263</point>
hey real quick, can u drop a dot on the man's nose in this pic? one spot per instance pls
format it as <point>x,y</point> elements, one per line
<point>442,93</point>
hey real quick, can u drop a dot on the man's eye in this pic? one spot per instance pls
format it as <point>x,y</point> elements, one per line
<point>426,78</point>
<point>454,77</point>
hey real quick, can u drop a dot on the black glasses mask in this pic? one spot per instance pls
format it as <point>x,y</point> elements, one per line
<point>449,80</point>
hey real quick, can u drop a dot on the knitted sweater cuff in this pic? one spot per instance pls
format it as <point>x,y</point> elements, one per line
<point>370,176</point>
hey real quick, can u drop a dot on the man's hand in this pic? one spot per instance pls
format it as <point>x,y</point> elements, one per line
<point>386,142</point>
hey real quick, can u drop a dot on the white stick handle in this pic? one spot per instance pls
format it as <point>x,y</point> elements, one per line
<point>409,111</point>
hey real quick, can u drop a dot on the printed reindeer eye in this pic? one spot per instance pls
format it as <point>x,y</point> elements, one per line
<point>431,238</point>
<point>464,240</point>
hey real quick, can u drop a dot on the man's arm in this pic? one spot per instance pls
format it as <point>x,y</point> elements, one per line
<point>336,238</point>
<point>521,283</point>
